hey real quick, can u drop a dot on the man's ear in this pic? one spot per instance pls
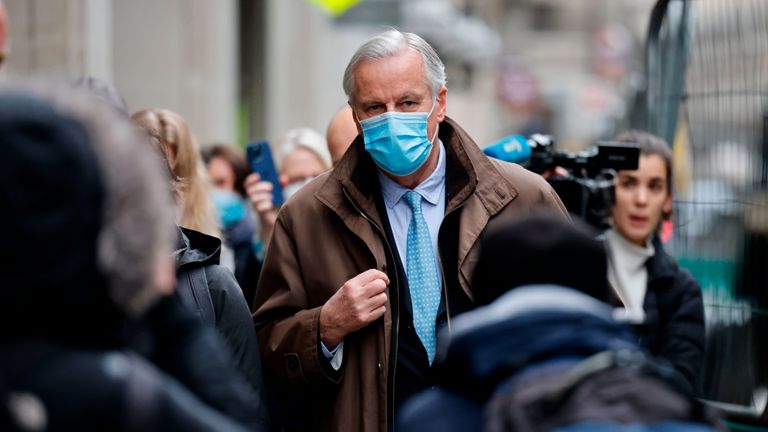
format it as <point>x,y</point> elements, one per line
<point>442,99</point>
<point>354,117</point>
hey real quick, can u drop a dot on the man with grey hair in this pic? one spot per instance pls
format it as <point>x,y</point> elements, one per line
<point>372,257</point>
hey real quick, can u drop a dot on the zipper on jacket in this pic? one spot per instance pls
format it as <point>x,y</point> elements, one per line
<point>397,286</point>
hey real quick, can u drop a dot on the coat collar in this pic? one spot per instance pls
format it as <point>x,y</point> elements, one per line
<point>660,265</point>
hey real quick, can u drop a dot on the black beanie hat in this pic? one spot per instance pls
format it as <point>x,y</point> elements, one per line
<point>540,248</point>
<point>51,201</point>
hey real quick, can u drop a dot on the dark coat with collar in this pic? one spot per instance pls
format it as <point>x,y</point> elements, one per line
<point>331,231</point>
<point>232,318</point>
<point>674,310</point>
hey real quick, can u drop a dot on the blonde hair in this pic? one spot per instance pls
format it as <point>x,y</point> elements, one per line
<point>182,153</point>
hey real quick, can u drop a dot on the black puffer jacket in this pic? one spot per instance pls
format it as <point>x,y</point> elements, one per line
<point>674,310</point>
<point>232,316</point>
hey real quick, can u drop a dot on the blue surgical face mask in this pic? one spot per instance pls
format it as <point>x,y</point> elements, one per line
<point>229,206</point>
<point>397,141</point>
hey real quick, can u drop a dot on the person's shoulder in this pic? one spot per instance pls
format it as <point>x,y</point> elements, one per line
<point>520,176</point>
<point>221,278</point>
<point>685,281</point>
<point>528,188</point>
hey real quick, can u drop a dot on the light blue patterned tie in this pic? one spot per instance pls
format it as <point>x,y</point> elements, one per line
<point>423,280</point>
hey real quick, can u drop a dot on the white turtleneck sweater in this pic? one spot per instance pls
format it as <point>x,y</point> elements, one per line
<point>627,274</point>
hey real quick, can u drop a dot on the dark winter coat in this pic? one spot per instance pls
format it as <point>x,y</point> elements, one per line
<point>546,357</point>
<point>171,372</point>
<point>674,324</point>
<point>239,237</point>
<point>232,315</point>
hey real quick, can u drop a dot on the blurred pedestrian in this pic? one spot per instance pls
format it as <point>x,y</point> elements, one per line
<point>105,91</point>
<point>302,155</point>
<point>181,150</point>
<point>228,168</point>
<point>92,337</point>
<point>342,130</point>
<point>355,282</point>
<point>211,291</point>
<point>543,351</point>
<point>663,299</point>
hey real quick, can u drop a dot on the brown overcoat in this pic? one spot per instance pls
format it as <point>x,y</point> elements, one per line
<point>330,232</point>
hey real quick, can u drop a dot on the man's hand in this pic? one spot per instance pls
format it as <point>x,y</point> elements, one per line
<point>260,194</point>
<point>359,302</point>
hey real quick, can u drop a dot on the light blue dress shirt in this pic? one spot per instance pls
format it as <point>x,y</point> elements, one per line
<point>432,190</point>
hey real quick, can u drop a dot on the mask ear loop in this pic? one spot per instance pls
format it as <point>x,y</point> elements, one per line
<point>437,126</point>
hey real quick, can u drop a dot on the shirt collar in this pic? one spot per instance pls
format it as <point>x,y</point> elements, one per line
<point>430,189</point>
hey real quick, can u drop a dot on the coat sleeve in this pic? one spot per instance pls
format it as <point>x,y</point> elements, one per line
<point>683,336</point>
<point>551,201</point>
<point>234,324</point>
<point>537,192</point>
<point>286,320</point>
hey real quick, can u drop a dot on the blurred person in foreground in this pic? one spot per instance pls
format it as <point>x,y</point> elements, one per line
<point>356,279</point>
<point>206,287</point>
<point>228,168</point>
<point>93,336</point>
<point>302,155</point>
<point>106,92</point>
<point>543,350</point>
<point>342,130</point>
<point>663,299</point>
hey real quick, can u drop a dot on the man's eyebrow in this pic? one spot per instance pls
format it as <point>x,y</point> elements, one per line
<point>408,95</point>
<point>370,101</point>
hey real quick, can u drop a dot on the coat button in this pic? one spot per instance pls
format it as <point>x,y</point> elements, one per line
<point>379,367</point>
<point>293,364</point>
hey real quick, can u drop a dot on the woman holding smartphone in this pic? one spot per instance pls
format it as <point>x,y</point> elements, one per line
<point>663,299</point>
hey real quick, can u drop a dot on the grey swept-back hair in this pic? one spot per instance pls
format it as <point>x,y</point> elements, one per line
<point>389,44</point>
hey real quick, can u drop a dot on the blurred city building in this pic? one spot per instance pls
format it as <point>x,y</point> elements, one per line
<point>244,69</point>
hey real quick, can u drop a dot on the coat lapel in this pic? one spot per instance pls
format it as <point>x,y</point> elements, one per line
<point>348,191</point>
<point>473,184</point>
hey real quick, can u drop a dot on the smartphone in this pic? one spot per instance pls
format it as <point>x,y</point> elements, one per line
<point>261,162</point>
